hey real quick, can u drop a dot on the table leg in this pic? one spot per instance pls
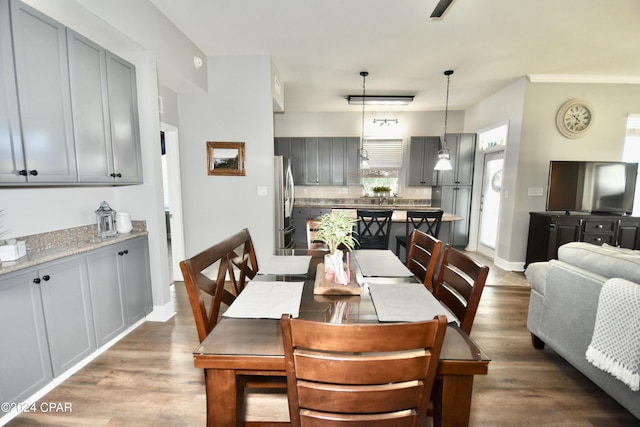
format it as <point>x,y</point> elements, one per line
<point>223,395</point>
<point>452,400</point>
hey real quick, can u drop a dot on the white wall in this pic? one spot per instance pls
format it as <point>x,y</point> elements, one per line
<point>533,141</point>
<point>238,108</point>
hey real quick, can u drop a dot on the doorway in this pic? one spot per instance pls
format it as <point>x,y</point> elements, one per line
<point>172,198</point>
<point>490,203</point>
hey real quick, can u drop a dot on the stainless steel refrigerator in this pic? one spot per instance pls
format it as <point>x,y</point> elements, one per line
<point>284,194</point>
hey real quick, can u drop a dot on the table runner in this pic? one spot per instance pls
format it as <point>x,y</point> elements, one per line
<point>292,265</point>
<point>267,300</point>
<point>406,302</point>
<point>377,263</point>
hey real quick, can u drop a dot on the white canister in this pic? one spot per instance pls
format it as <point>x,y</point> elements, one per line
<point>123,223</point>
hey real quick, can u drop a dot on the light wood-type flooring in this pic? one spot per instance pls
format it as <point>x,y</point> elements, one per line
<point>148,378</point>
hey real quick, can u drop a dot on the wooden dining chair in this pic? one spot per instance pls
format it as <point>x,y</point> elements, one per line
<point>215,276</point>
<point>423,255</point>
<point>207,293</point>
<point>459,285</point>
<point>360,374</point>
<point>373,228</point>
<point>312,231</point>
<point>427,221</point>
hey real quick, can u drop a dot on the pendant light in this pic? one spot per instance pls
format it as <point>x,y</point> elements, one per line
<point>444,155</point>
<point>364,155</point>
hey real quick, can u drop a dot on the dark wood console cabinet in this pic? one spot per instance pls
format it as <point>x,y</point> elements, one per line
<point>548,231</point>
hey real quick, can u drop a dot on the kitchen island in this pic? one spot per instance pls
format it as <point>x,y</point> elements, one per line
<point>313,208</point>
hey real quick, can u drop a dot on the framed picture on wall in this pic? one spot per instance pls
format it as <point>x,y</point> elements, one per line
<point>225,158</point>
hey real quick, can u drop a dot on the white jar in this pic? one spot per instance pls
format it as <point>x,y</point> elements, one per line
<point>123,223</point>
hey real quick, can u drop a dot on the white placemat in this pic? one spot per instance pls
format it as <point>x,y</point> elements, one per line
<point>406,302</point>
<point>294,265</point>
<point>267,300</point>
<point>380,264</point>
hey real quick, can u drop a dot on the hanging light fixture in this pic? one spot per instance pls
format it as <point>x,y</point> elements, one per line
<point>444,155</point>
<point>364,155</point>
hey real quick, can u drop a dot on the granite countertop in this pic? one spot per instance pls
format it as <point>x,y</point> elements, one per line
<point>51,246</point>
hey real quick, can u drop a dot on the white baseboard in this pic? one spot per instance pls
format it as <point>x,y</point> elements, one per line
<point>507,265</point>
<point>33,399</point>
<point>161,313</point>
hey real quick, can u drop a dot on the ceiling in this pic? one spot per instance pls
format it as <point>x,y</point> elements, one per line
<point>321,46</point>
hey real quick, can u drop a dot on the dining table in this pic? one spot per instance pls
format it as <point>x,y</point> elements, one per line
<point>238,347</point>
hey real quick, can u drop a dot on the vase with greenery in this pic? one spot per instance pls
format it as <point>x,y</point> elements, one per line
<point>336,230</point>
<point>381,190</point>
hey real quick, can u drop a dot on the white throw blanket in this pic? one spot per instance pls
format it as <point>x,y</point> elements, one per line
<point>615,345</point>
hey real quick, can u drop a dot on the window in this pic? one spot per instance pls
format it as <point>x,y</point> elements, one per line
<point>385,161</point>
<point>632,153</point>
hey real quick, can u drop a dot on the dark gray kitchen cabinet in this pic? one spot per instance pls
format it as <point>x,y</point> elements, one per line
<point>322,160</point>
<point>423,156</point>
<point>455,200</point>
<point>300,217</point>
<point>462,147</point>
<point>352,166</point>
<point>11,155</point>
<point>120,283</point>
<point>293,149</point>
<point>105,114</point>
<point>47,153</point>
<point>25,366</point>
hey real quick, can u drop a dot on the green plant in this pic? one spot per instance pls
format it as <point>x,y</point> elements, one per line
<point>336,229</point>
<point>381,189</point>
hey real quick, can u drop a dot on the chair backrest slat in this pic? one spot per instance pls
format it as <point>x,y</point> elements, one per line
<point>375,374</point>
<point>224,258</point>
<point>423,255</point>
<point>374,228</point>
<point>459,285</point>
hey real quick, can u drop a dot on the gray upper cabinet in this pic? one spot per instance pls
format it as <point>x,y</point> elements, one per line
<point>462,147</point>
<point>71,111</point>
<point>87,68</point>
<point>11,155</point>
<point>42,76</point>
<point>123,114</point>
<point>423,156</point>
<point>293,149</point>
<point>104,104</point>
<point>322,160</point>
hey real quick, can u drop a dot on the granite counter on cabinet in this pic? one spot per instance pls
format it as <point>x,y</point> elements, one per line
<point>45,247</point>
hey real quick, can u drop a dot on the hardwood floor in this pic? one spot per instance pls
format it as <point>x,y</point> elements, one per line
<point>148,378</point>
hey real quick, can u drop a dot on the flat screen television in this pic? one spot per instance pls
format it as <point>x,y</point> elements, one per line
<point>596,187</point>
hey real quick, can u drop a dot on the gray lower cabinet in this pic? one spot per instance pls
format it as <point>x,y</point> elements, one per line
<point>56,314</point>
<point>299,218</point>
<point>456,200</point>
<point>26,366</point>
<point>120,287</point>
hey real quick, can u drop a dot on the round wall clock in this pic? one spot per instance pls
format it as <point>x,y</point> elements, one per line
<point>574,118</point>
